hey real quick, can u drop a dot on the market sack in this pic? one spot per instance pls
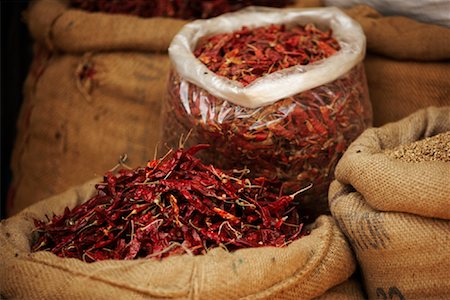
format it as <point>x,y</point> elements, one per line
<point>305,269</point>
<point>430,11</point>
<point>407,64</point>
<point>350,289</point>
<point>392,201</point>
<point>92,94</point>
<point>293,123</point>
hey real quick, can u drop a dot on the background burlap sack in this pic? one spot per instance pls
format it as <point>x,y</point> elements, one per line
<point>350,289</point>
<point>93,93</point>
<point>305,269</point>
<point>430,11</point>
<point>407,65</point>
<point>396,214</point>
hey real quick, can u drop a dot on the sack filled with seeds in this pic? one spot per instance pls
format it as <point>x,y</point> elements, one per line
<point>391,198</point>
<point>280,92</point>
<point>178,229</point>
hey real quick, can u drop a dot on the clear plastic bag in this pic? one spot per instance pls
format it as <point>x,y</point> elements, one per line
<point>296,135</point>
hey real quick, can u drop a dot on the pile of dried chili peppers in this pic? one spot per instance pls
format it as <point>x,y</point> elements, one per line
<point>298,139</point>
<point>174,205</point>
<point>247,54</point>
<point>181,9</point>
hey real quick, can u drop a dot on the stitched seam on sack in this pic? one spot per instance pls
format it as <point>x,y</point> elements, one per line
<point>194,289</point>
<point>310,266</point>
<point>48,39</point>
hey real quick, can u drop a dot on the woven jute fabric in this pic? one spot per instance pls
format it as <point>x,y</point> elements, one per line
<point>93,93</point>
<point>71,30</point>
<point>304,269</point>
<point>400,37</point>
<point>398,88</point>
<point>407,65</point>
<point>350,289</point>
<point>395,213</point>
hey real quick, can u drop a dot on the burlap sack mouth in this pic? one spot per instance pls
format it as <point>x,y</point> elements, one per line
<point>389,184</point>
<point>401,255</point>
<point>62,28</point>
<point>395,211</point>
<point>304,269</point>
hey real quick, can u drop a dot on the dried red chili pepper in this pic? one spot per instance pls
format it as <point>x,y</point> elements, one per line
<point>183,9</point>
<point>247,54</point>
<point>173,205</point>
<point>298,140</point>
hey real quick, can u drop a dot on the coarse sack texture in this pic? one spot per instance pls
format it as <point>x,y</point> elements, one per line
<point>305,269</point>
<point>350,289</point>
<point>430,11</point>
<point>396,213</point>
<point>93,92</point>
<point>407,64</point>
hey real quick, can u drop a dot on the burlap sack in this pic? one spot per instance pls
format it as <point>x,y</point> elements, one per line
<point>305,269</point>
<point>396,214</point>
<point>92,94</point>
<point>407,65</point>
<point>350,289</point>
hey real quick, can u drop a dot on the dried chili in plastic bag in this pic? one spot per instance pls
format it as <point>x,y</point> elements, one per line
<point>183,9</point>
<point>293,124</point>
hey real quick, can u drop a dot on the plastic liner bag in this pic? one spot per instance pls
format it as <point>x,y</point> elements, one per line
<point>293,124</point>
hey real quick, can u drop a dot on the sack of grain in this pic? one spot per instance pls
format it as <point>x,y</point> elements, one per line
<point>391,200</point>
<point>407,65</point>
<point>304,269</point>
